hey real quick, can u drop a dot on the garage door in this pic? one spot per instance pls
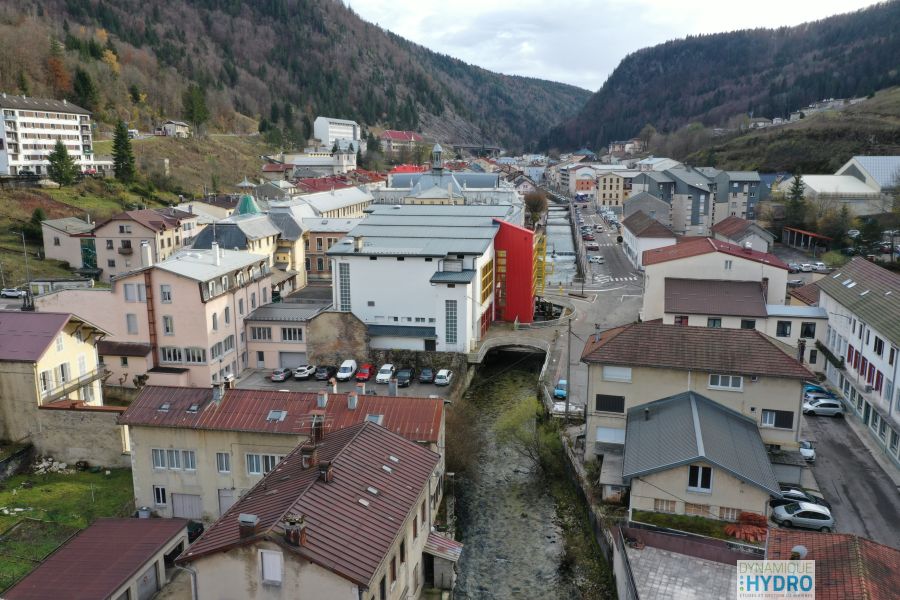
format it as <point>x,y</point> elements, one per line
<point>147,584</point>
<point>291,359</point>
<point>186,506</point>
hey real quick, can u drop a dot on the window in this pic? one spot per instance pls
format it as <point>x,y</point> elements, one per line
<point>882,429</point>
<point>173,458</point>
<point>415,526</point>
<point>190,460</point>
<point>223,462</point>
<point>240,306</point>
<point>402,551</point>
<point>135,292</point>
<point>681,320</point>
<point>726,382</point>
<point>699,510</point>
<point>344,283</point>
<point>254,464</point>
<point>382,589</point>
<point>123,361</point>
<point>807,330</point>
<point>699,478</point>
<point>195,355</point>
<point>62,373</point>
<point>265,295</point>
<point>227,315</point>
<point>168,325</point>
<point>729,514</point>
<point>170,354</point>
<point>320,264</point>
<point>124,228</point>
<point>606,403</point>
<point>748,323</point>
<point>663,506</point>
<point>111,263</point>
<point>253,300</point>
<point>450,324</point>
<point>110,245</point>
<point>892,355</point>
<point>159,495</point>
<point>714,322</point>
<point>393,570</point>
<point>215,351</point>
<point>228,343</point>
<point>291,334</point>
<point>728,265</point>
<point>782,419</point>
<point>55,239</point>
<point>783,329</point>
<point>59,343</point>
<point>269,462</point>
<point>46,381</point>
<point>813,356</point>
<point>895,440</point>
<point>215,321</point>
<point>159,458</point>
<point>622,374</point>
<point>165,293</point>
<point>878,346</point>
<point>270,566</point>
<point>261,333</point>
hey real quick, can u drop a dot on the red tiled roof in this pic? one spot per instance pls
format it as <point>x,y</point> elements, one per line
<point>417,419</point>
<point>401,136</point>
<point>848,567</point>
<point>808,294</point>
<point>696,247</point>
<point>323,184</point>
<point>643,225</point>
<point>714,297</point>
<point>111,348</point>
<point>155,220</point>
<point>731,227</point>
<point>718,350</point>
<point>344,535</point>
<point>410,169</point>
<point>97,561</point>
<point>276,167</point>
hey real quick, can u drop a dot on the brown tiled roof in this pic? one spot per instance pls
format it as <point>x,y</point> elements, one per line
<point>344,535</point>
<point>732,227</point>
<point>111,348</point>
<point>24,336</point>
<point>808,294</point>
<point>715,297</point>
<point>719,350</point>
<point>97,561</point>
<point>698,246</point>
<point>417,419</point>
<point>848,567</point>
<point>155,220</point>
<point>643,225</point>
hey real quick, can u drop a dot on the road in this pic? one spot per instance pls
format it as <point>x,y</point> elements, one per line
<point>863,498</point>
<point>616,270</point>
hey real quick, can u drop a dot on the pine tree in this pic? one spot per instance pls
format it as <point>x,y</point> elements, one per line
<point>195,109</point>
<point>123,157</point>
<point>795,209</point>
<point>85,93</point>
<point>62,168</point>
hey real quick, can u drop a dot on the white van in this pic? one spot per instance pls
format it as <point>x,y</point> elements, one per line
<point>347,370</point>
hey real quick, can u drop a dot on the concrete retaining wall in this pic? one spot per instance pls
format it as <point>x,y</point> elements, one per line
<point>333,337</point>
<point>16,462</point>
<point>73,434</point>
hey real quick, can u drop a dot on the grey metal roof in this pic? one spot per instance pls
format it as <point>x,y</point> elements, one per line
<point>200,264</point>
<point>884,169</point>
<point>468,210</point>
<point>404,246</point>
<point>321,225</point>
<point>465,276</point>
<point>658,176</point>
<point>438,229</point>
<point>70,225</point>
<point>784,310</point>
<point>456,180</point>
<point>691,177</point>
<point>288,311</point>
<point>411,331</point>
<point>236,230</point>
<point>289,226</point>
<point>29,103</point>
<point>710,172</point>
<point>743,175</point>
<point>687,428</point>
<point>868,291</point>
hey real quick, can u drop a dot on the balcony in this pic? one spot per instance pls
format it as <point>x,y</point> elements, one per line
<point>68,387</point>
<point>126,250</point>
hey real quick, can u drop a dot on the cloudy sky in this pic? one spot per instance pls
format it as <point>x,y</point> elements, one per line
<point>576,41</point>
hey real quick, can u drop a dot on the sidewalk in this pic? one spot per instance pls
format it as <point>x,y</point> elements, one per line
<point>877,452</point>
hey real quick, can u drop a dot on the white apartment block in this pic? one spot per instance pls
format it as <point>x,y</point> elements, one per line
<point>329,130</point>
<point>30,128</point>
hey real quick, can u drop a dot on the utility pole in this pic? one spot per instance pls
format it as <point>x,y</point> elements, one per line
<point>568,369</point>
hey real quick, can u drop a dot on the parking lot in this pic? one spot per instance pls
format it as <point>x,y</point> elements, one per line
<point>258,379</point>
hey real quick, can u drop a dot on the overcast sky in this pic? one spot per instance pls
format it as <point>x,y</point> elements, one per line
<point>576,41</point>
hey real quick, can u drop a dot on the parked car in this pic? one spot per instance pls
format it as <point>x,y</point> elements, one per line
<point>820,266</point>
<point>325,372</point>
<point>853,233</point>
<point>596,258</point>
<point>792,493</point>
<point>562,389</point>
<point>829,407</point>
<point>598,227</point>
<point>304,371</point>
<point>426,375</point>
<point>817,394</point>
<point>588,237</point>
<point>804,514</point>
<point>26,173</point>
<point>280,374</point>
<point>443,377</point>
<point>592,246</point>
<point>807,451</point>
<point>809,386</point>
<point>347,370</point>
<point>385,373</point>
<point>806,267</point>
<point>405,376</point>
<point>793,267</point>
<point>12,293</point>
<point>365,372</point>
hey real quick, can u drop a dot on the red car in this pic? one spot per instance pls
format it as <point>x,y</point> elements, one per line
<point>588,238</point>
<point>365,372</point>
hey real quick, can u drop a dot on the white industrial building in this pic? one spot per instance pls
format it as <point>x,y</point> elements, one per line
<point>419,276</point>
<point>30,128</point>
<point>330,130</point>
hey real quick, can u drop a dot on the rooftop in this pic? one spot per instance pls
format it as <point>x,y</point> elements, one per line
<point>199,264</point>
<point>464,276</point>
<point>736,228</point>
<point>847,566</point>
<point>235,231</point>
<point>709,349</point>
<point>323,202</point>
<point>661,574</point>
<point>288,311</point>
<point>418,419</point>
<point>808,294</point>
<point>70,225</point>
<point>153,219</point>
<point>704,245</point>
<point>883,169</point>
<point>869,292</point>
<point>834,184</point>
<point>21,102</point>
<point>98,560</point>
<point>25,336</point>
<point>807,312</point>
<point>689,427</point>
<point>111,348</point>
<point>349,530</point>
<point>714,297</point>
<point>643,225</point>
<point>320,225</point>
<point>401,136</point>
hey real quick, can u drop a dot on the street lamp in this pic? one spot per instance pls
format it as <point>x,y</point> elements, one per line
<point>27,302</point>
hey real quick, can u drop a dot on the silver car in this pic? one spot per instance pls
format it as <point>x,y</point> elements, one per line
<point>804,514</point>
<point>828,407</point>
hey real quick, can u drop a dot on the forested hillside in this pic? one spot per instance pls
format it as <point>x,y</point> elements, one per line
<point>278,61</point>
<point>766,72</point>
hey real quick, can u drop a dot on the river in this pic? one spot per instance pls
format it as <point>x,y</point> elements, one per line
<point>560,245</point>
<point>514,543</point>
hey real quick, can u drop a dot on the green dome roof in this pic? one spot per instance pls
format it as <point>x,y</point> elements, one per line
<point>247,206</point>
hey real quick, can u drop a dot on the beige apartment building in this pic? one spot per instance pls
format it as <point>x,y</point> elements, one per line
<point>190,309</point>
<point>63,239</point>
<point>195,451</point>
<point>613,188</point>
<point>742,369</point>
<point>352,519</point>
<point>320,235</point>
<point>278,334</point>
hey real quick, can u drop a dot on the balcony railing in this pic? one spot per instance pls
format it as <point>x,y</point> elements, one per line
<point>126,250</point>
<point>838,362</point>
<point>72,385</point>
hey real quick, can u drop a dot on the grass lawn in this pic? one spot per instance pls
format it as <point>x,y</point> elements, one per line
<point>57,506</point>
<point>835,259</point>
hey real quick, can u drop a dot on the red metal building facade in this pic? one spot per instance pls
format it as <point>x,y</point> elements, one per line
<point>514,264</point>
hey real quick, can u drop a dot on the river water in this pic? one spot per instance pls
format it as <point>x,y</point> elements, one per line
<point>507,518</point>
<point>560,245</point>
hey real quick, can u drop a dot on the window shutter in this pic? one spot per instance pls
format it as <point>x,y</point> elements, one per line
<point>784,418</point>
<point>608,403</point>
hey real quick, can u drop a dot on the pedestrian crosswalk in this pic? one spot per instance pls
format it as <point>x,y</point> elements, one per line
<point>608,279</point>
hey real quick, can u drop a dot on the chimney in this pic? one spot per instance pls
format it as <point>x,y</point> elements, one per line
<point>361,388</point>
<point>146,254</point>
<point>748,247</point>
<point>322,399</point>
<point>65,102</point>
<point>247,525</point>
<point>352,400</point>
<point>215,252</point>
<point>325,472</point>
<point>646,414</point>
<point>357,243</point>
<point>309,456</point>
<point>217,393</point>
<point>392,386</point>
<point>295,530</point>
